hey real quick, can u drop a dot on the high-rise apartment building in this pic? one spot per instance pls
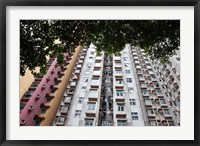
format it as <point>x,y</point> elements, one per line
<point>169,78</point>
<point>92,89</point>
<point>38,106</point>
<point>123,90</point>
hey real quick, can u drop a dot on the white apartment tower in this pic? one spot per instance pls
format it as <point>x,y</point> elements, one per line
<point>124,90</point>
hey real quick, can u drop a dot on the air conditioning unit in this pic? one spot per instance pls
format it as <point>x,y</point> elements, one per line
<point>37,96</point>
<point>43,87</point>
<point>48,78</point>
<point>31,108</point>
<point>22,123</point>
<point>52,71</point>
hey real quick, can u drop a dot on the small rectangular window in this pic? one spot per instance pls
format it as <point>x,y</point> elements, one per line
<point>91,106</point>
<point>120,93</point>
<point>83,88</point>
<point>77,113</point>
<point>121,123</point>
<point>132,101</point>
<point>89,122</point>
<point>120,107</point>
<point>134,115</point>
<point>80,100</point>
<point>129,80</point>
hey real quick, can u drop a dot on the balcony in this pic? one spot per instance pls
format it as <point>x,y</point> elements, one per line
<point>159,94</point>
<point>27,96</point>
<point>38,77</point>
<point>64,110</point>
<point>60,121</point>
<point>148,102</point>
<point>143,86</point>
<point>145,93</point>
<point>22,105</point>
<point>120,100</point>
<point>153,123</point>
<point>163,103</point>
<point>166,112</point>
<point>135,58</point>
<point>33,86</point>
<point>134,54</point>
<point>79,67</point>
<point>70,92</point>
<point>151,113</point>
<point>138,67</point>
<point>121,116</point>
<point>122,123</point>
<point>67,100</point>
<point>139,72</point>
<point>141,78</point>
<point>82,57</point>
<point>73,84</point>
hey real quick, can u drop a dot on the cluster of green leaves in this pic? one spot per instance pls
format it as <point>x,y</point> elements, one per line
<point>159,38</point>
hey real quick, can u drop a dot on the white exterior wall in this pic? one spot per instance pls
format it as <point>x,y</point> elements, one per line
<point>127,95</point>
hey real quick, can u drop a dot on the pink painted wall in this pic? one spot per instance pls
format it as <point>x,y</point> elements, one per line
<point>29,116</point>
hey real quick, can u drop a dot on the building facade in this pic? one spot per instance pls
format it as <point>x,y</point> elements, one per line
<point>124,90</point>
<point>39,104</point>
<point>95,89</point>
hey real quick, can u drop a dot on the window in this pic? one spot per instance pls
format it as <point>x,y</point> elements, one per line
<point>119,81</point>
<point>91,106</point>
<point>83,88</point>
<point>150,111</point>
<point>92,53</point>
<point>166,111</point>
<point>159,93</point>
<point>125,58</point>
<point>152,123</point>
<point>130,89</point>
<point>145,92</point>
<point>89,122</point>
<point>77,113</point>
<point>95,81</point>
<point>178,58</point>
<point>120,107</point>
<point>148,102</point>
<point>126,64</point>
<point>134,115</point>
<point>121,123</point>
<point>85,80</point>
<point>132,101</point>
<point>129,80</point>
<point>171,123</point>
<point>89,65</point>
<point>120,93</point>
<point>80,100</point>
<point>118,64</point>
<point>162,101</point>
<point>90,57</point>
<point>93,93</point>
<point>118,71</point>
<point>128,71</point>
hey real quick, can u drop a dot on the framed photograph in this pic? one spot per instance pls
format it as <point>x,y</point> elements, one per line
<point>99,72</point>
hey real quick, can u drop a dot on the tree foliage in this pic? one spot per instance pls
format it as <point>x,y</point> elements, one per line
<point>159,38</point>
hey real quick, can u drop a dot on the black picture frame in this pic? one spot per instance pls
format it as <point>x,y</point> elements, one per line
<point>5,3</point>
